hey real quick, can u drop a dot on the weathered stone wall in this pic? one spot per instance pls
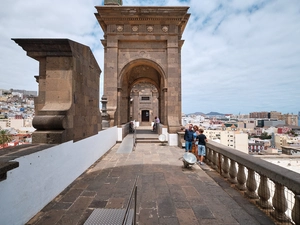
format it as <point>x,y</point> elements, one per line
<point>67,107</point>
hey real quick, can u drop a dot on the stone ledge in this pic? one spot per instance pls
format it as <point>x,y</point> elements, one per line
<point>5,167</point>
<point>11,153</point>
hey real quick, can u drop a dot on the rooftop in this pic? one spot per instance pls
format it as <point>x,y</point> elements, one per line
<point>168,193</point>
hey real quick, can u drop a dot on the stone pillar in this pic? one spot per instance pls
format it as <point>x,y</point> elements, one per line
<point>67,106</point>
<point>110,88</point>
<point>105,116</point>
<point>155,105</point>
<point>174,84</point>
<point>135,103</point>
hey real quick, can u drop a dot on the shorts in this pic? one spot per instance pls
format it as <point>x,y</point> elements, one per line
<point>188,146</point>
<point>201,150</point>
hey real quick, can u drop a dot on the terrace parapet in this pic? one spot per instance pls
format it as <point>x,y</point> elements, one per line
<point>274,189</point>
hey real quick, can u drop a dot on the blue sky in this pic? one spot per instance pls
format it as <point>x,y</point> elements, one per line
<point>238,56</point>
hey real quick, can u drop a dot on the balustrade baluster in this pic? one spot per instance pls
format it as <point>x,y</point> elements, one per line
<point>251,185</point>
<point>280,204</point>
<point>225,167</point>
<point>241,178</point>
<point>214,160</point>
<point>232,172</point>
<point>218,164</point>
<point>296,210</point>
<point>264,193</point>
<point>208,156</point>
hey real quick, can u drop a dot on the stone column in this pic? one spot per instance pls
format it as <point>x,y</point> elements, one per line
<point>135,103</point>
<point>174,85</point>
<point>105,116</point>
<point>110,89</point>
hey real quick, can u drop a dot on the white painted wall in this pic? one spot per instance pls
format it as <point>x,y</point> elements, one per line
<point>164,131</point>
<point>173,139</point>
<point>41,176</point>
<point>120,134</point>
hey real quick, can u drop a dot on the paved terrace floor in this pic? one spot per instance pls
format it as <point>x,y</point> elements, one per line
<point>167,192</point>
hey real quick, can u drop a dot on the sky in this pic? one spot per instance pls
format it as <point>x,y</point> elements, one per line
<point>239,56</point>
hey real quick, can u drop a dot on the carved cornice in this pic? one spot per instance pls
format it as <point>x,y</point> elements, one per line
<point>140,15</point>
<point>118,19</point>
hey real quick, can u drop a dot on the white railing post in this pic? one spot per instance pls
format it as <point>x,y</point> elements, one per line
<point>232,172</point>
<point>279,203</point>
<point>264,193</point>
<point>251,185</point>
<point>208,156</point>
<point>241,178</point>
<point>214,160</point>
<point>296,210</point>
<point>225,167</point>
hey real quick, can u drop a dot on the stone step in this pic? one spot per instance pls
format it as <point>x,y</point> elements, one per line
<point>147,140</point>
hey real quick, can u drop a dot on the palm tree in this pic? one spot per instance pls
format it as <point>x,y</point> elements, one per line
<point>4,137</point>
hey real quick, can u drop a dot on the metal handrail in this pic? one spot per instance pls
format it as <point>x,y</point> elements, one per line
<point>133,191</point>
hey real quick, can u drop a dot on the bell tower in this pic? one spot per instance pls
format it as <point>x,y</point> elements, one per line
<point>113,2</point>
<point>142,45</point>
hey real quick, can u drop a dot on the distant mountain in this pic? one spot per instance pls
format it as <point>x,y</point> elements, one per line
<point>207,114</point>
<point>198,113</point>
<point>215,113</point>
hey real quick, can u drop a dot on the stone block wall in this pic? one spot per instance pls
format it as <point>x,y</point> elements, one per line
<point>67,107</point>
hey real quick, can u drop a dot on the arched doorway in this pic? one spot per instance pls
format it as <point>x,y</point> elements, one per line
<point>140,96</point>
<point>144,103</point>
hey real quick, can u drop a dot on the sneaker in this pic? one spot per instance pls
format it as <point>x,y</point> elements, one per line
<point>201,163</point>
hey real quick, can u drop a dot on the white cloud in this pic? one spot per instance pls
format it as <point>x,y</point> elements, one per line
<point>238,56</point>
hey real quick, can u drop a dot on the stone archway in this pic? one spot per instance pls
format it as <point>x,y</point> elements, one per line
<point>143,44</point>
<point>134,73</point>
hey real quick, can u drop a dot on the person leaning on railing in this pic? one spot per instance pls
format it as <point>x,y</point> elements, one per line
<point>189,138</point>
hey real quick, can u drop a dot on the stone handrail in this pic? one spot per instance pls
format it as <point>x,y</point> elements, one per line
<point>233,165</point>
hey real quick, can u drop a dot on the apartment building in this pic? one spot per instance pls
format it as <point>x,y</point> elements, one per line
<point>290,119</point>
<point>231,138</point>
<point>285,140</point>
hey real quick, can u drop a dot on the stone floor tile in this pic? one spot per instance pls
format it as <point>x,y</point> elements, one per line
<point>166,206</point>
<point>182,205</point>
<point>72,195</point>
<point>168,221</point>
<point>190,191</point>
<point>202,212</point>
<point>186,217</point>
<point>115,203</point>
<point>148,205</point>
<point>148,217</point>
<point>49,218</point>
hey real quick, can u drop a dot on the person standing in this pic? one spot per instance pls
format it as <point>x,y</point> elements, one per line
<point>195,143</point>
<point>189,138</point>
<point>201,138</point>
<point>157,120</point>
<point>155,124</point>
